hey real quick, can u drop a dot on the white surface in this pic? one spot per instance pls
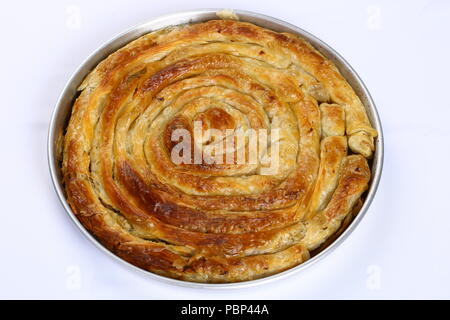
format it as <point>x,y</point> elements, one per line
<point>400,250</point>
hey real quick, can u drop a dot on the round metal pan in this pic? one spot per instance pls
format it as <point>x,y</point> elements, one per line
<point>63,107</point>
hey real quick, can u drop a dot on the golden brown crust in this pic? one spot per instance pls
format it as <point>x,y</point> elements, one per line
<point>333,120</point>
<point>215,222</point>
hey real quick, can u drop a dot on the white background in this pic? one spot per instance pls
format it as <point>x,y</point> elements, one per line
<point>400,250</point>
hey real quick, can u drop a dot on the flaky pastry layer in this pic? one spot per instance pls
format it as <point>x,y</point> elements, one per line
<point>215,222</point>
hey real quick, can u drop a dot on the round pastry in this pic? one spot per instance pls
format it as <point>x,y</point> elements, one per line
<point>216,152</point>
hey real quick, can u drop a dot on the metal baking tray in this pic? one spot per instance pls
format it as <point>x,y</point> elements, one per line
<point>63,107</point>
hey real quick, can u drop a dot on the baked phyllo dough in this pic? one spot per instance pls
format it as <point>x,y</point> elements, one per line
<point>210,220</point>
